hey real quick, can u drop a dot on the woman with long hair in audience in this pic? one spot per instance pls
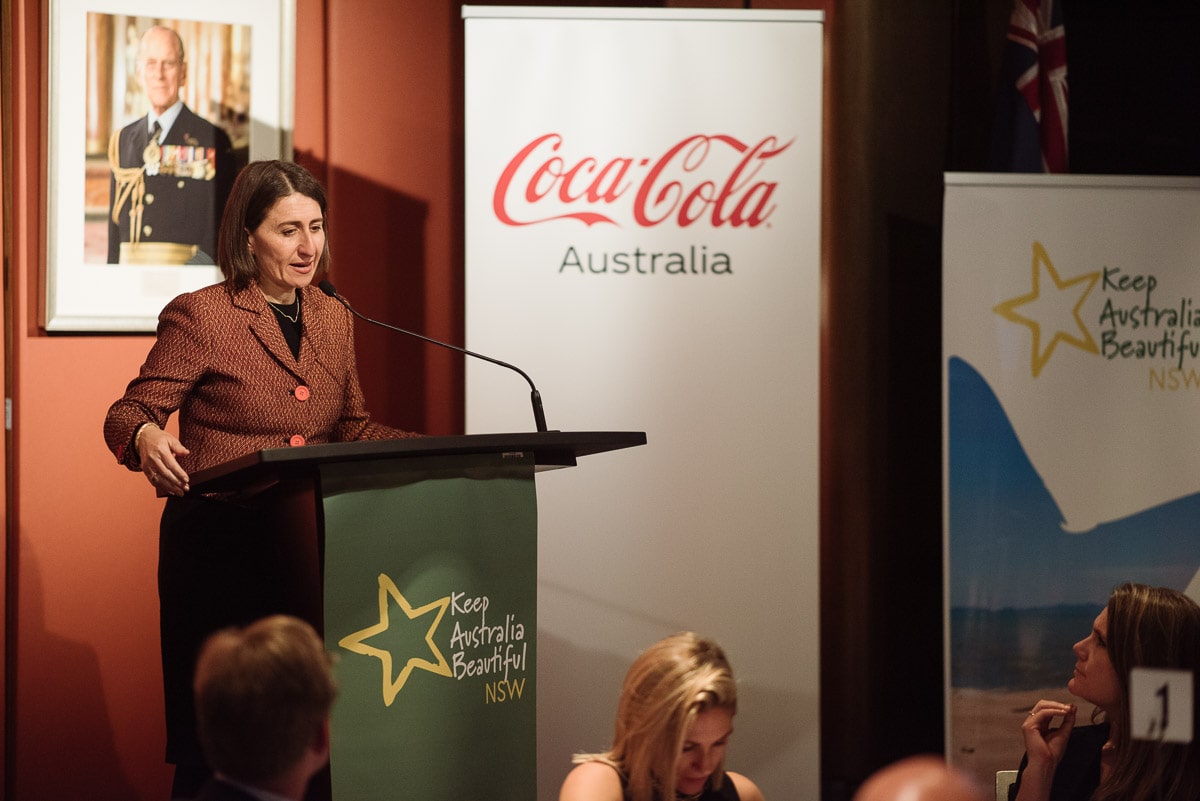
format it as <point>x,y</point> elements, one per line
<point>1141,626</point>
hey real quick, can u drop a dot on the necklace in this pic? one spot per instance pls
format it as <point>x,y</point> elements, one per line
<point>294,305</point>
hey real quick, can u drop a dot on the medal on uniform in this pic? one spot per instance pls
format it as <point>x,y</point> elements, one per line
<point>152,157</point>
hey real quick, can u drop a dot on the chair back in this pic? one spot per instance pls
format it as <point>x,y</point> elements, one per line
<point>1005,779</point>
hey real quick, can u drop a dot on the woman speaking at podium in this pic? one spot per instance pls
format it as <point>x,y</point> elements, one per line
<point>261,360</point>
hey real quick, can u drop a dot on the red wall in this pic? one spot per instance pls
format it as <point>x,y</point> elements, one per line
<point>81,637</point>
<point>83,712</point>
<point>390,154</point>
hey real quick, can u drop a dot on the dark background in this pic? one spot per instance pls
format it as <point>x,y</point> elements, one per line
<point>913,93</point>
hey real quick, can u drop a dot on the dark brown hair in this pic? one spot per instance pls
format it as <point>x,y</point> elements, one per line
<point>259,186</point>
<point>1153,627</point>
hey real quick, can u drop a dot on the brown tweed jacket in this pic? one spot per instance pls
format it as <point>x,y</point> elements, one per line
<point>220,359</point>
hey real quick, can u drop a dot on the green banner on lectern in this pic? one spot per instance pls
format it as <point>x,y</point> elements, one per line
<point>430,605</point>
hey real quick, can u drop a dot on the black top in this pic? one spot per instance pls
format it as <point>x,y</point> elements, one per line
<point>289,323</point>
<point>1078,774</point>
<point>727,792</point>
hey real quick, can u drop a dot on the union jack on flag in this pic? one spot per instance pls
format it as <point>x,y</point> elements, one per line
<point>1034,136</point>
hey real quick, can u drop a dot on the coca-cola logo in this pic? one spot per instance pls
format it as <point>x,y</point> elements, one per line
<point>716,179</point>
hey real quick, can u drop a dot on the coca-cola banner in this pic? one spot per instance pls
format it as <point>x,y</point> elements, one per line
<point>642,238</point>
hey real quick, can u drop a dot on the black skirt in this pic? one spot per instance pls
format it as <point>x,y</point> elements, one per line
<point>222,564</point>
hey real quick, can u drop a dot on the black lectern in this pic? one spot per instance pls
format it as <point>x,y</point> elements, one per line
<point>549,449</point>
<point>417,558</point>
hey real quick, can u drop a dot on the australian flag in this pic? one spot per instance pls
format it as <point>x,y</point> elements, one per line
<point>1030,134</point>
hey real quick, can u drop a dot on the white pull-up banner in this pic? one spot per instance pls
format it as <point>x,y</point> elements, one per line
<point>642,238</point>
<point>1072,381</point>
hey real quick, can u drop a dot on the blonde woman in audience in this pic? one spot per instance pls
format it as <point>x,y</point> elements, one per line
<point>674,722</point>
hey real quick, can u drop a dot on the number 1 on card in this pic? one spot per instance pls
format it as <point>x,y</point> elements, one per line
<point>1160,705</point>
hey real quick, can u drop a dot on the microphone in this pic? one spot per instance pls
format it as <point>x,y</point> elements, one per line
<point>535,397</point>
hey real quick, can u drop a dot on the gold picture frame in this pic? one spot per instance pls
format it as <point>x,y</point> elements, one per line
<point>237,85</point>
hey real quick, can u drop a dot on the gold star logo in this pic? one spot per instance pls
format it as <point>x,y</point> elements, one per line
<point>1052,316</point>
<point>356,642</point>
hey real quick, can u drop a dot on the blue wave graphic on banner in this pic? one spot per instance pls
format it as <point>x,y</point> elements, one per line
<point>1021,589</point>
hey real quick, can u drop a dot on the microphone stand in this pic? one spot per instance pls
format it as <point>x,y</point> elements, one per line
<point>535,397</point>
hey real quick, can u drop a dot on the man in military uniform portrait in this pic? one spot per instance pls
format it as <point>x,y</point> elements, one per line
<point>171,169</point>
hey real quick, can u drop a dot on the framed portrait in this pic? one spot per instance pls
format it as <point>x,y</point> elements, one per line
<point>150,119</point>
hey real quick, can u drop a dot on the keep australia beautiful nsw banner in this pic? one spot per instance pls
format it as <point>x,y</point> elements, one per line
<point>1072,383</point>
